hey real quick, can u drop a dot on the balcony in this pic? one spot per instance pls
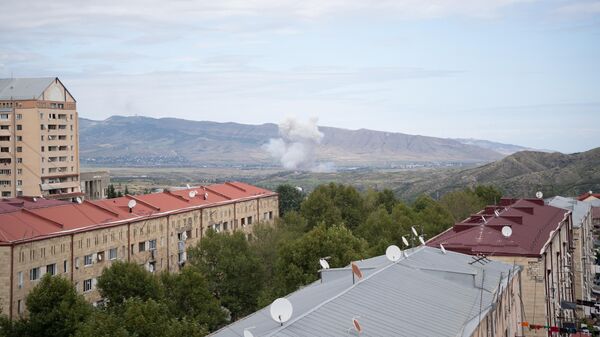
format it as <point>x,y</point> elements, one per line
<point>53,186</point>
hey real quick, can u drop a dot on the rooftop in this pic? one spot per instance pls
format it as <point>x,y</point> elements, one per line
<point>23,88</point>
<point>579,209</point>
<point>25,219</point>
<point>427,293</point>
<point>588,195</point>
<point>532,223</point>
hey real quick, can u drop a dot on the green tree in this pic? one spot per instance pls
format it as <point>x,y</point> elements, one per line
<point>234,273</point>
<point>462,203</point>
<point>431,216</point>
<point>124,280</point>
<point>333,204</point>
<point>188,296</point>
<point>126,190</point>
<point>290,198</point>
<point>55,308</point>
<point>380,230</point>
<point>110,192</point>
<point>136,317</point>
<point>490,195</point>
<point>298,261</point>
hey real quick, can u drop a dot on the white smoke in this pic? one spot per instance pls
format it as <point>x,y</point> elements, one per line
<point>295,149</point>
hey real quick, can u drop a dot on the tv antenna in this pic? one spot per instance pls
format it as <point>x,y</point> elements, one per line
<point>281,310</point>
<point>539,194</point>
<point>131,204</point>
<point>393,253</point>
<point>506,231</point>
<point>323,262</point>
<point>442,249</point>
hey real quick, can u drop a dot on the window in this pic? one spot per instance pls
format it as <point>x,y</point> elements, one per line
<point>3,116</point>
<point>265,216</point>
<point>20,279</point>
<point>34,274</point>
<point>20,138</point>
<point>225,226</point>
<point>19,182</point>
<point>100,256</point>
<point>243,222</point>
<point>19,307</point>
<point>51,269</point>
<point>152,244</point>
<point>4,149</point>
<point>87,285</point>
<point>3,127</point>
<point>19,116</point>
<point>271,215</point>
<point>19,127</point>
<point>249,220</point>
<point>87,260</point>
<point>112,254</point>
<point>19,149</point>
<point>142,246</point>
<point>19,160</point>
<point>65,269</point>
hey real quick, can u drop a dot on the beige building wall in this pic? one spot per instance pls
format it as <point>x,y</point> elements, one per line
<point>158,244</point>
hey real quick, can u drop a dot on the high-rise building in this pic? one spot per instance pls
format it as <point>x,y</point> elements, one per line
<point>39,145</point>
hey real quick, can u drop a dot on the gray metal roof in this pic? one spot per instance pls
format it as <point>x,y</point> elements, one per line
<point>427,293</point>
<point>579,209</point>
<point>23,88</point>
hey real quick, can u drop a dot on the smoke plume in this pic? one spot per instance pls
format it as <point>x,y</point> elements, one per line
<point>295,148</point>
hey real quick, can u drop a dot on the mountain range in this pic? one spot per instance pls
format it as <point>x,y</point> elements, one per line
<point>144,141</point>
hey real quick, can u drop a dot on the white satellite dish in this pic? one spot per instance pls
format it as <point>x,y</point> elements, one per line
<point>422,240</point>
<point>192,194</point>
<point>299,189</point>
<point>539,194</point>
<point>404,241</point>
<point>393,253</point>
<point>131,204</point>
<point>506,231</point>
<point>442,248</point>
<point>281,310</point>
<point>78,199</point>
<point>247,333</point>
<point>414,231</point>
<point>324,264</point>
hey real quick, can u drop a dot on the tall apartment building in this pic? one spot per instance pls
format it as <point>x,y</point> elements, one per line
<point>39,154</point>
<point>78,240</point>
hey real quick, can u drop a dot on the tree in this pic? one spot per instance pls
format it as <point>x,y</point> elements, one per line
<point>290,198</point>
<point>333,204</point>
<point>234,273</point>
<point>380,230</point>
<point>126,190</point>
<point>431,217</point>
<point>490,195</point>
<point>55,308</point>
<point>188,296</point>
<point>124,280</point>
<point>462,203</point>
<point>110,191</point>
<point>298,261</point>
<point>136,317</point>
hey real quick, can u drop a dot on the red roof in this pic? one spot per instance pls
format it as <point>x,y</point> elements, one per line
<point>531,222</point>
<point>587,195</point>
<point>24,219</point>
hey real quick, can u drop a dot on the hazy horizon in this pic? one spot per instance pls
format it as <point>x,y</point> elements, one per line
<point>511,71</point>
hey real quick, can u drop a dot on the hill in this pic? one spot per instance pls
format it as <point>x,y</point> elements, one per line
<point>143,141</point>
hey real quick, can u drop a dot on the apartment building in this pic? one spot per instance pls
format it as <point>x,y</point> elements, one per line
<point>540,240</point>
<point>77,241</point>
<point>425,293</point>
<point>39,153</point>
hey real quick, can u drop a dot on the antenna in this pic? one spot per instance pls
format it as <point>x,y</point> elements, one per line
<point>414,231</point>
<point>506,231</point>
<point>393,253</point>
<point>539,194</point>
<point>192,194</point>
<point>78,200</point>
<point>442,248</point>
<point>404,241</point>
<point>323,262</point>
<point>281,310</point>
<point>131,204</point>
<point>422,240</point>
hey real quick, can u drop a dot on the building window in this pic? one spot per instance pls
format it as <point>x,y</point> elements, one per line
<point>249,220</point>
<point>19,116</point>
<point>19,182</point>
<point>51,269</point>
<point>19,149</point>
<point>19,138</point>
<point>34,274</point>
<point>20,279</point>
<point>112,254</point>
<point>152,244</point>
<point>19,127</point>
<point>65,266</point>
<point>271,215</point>
<point>4,149</point>
<point>142,246</point>
<point>3,116</point>
<point>87,260</point>
<point>87,285</point>
<point>20,307</point>
<point>19,160</point>
<point>100,256</point>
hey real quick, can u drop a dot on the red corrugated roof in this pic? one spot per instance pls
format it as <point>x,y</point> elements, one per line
<point>530,220</point>
<point>24,219</point>
<point>587,195</point>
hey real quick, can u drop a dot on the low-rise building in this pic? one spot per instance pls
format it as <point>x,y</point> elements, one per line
<point>425,293</point>
<point>94,184</point>
<point>537,237</point>
<point>77,241</point>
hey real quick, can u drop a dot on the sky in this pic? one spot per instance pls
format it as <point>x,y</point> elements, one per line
<point>522,72</point>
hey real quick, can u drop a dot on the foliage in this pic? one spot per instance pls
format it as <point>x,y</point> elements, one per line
<point>333,204</point>
<point>233,270</point>
<point>55,308</point>
<point>290,198</point>
<point>124,280</point>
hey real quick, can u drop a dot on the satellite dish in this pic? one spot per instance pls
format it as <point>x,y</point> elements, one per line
<point>414,231</point>
<point>506,231</point>
<point>442,248</point>
<point>192,194</point>
<point>281,310</point>
<point>324,264</point>
<point>356,325</point>
<point>78,200</point>
<point>356,270</point>
<point>247,332</point>
<point>393,253</point>
<point>299,189</point>
<point>422,240</point>
<point>131,204</point>
<point>404,241</point>
<point>539,194</point>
